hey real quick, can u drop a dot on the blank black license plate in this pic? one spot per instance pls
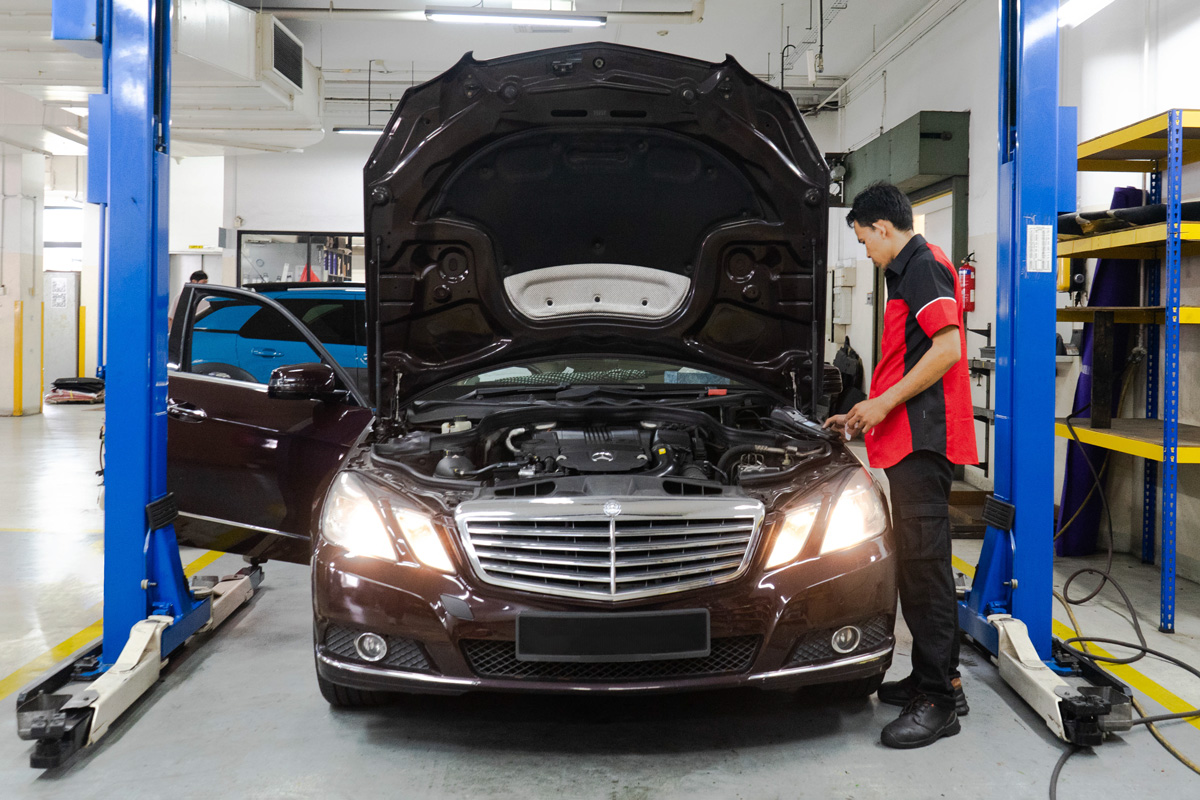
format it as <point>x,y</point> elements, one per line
<point>630,636</point>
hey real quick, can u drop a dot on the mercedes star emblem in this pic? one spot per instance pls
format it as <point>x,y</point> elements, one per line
<point>612,508</point>
<point>602,455</point>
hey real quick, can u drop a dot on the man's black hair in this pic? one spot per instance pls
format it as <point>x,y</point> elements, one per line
<point>198,275</point>
<point>881,200</point>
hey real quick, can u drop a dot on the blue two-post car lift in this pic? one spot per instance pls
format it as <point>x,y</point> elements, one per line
<point>1008,607</point>
<point>149,609</point>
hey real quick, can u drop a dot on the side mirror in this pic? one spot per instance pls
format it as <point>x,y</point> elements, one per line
<point>304,382</point>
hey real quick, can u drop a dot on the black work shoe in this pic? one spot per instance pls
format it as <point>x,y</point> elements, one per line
<point>920,724</point>
<point>902,692</point>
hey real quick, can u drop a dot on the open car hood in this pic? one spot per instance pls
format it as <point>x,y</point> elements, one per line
<point>595,199</point>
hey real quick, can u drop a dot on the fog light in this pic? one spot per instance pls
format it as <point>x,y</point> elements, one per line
<point>372,647</point>
<point>846,639</point>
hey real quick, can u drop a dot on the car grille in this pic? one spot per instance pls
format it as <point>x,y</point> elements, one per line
<point>649,547</point>
<point>491,659</point>
<point>404,654</point>
<point>815,647</point>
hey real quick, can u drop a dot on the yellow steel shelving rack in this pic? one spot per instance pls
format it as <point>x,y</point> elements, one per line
<point>1159,146</point>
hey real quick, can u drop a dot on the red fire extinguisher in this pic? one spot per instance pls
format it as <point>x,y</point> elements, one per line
<point>966,284</point>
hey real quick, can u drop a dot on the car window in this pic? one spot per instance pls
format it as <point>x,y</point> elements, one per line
<point>220,347</point>
<point>331,320</point>
<point>584,370</point>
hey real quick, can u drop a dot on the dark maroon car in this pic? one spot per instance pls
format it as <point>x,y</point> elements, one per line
<point>589,460</point>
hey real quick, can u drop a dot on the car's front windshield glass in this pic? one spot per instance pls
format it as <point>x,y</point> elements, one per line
<point>569,371</point>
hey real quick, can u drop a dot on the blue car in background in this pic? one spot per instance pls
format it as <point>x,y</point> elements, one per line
<point>241,341</point>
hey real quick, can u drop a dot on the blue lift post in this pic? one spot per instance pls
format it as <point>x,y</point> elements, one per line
<point>136,390</point>
<point>149,610</point>
<point>1008,608</point>
<point>1015,571</point>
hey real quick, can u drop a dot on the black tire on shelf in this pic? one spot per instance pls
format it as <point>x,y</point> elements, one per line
<point>349,697</point>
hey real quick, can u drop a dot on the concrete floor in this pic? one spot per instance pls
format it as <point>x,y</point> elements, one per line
<point>239,715</point>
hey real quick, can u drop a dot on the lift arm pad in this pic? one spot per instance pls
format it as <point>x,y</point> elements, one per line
<point>135,671</point>
<point>1029,677</point>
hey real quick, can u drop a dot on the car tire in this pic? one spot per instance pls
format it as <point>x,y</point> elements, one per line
<point>349,697</point>
<point>841,691</point>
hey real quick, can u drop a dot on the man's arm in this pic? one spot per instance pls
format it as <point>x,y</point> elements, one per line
<point>944,353</point>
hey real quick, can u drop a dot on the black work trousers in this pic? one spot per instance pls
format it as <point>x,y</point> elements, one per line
<point>920,490</point>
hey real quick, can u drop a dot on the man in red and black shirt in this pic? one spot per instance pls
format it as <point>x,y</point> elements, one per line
<point>918,422</point>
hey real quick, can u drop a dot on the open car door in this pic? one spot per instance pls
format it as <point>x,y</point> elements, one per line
<point>248,469</point>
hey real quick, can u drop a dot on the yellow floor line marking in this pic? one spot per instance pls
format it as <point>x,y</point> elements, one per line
<point>48,659</point>
<point>1147,686</point>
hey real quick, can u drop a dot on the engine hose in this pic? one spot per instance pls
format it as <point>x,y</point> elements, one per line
<point>746,449</point>
<point>508,440</point>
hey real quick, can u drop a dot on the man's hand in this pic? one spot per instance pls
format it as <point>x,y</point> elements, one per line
<point>860,419</point>
<point>837,422</point>
<point>866,415</point>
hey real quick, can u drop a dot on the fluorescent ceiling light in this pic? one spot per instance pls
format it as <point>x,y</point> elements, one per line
<point>494,17</point>
<point>1075,12</point>
<point>362,131</point>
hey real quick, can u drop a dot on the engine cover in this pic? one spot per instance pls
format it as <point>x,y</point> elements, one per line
<point>595,449</point>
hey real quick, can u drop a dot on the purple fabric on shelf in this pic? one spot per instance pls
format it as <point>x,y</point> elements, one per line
<point>1116,282</point>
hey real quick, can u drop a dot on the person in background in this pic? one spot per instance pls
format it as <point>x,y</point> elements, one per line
<point>917,422</point>
<point>199,276</point>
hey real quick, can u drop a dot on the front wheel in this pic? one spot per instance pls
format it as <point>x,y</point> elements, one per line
<point>349,697</point>
<point>859,689</point>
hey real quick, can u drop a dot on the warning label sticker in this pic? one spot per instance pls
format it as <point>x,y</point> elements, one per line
<point>1039,248</point>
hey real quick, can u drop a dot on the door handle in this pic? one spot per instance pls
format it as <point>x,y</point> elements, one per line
<point>186,412</point>
<point>266,352</point>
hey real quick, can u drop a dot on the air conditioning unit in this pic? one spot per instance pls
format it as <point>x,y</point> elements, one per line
<point>280,56</point>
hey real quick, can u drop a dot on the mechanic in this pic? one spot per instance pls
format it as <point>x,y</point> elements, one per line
<point>917,423</point>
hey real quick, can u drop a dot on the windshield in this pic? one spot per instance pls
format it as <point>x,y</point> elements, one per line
<point>588,370</point>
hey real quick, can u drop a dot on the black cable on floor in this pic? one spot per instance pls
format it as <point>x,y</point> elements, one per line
<point>1140,646</point>
<point>1062,761</point>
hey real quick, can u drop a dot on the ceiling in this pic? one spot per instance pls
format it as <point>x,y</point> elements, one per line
<point>215,113</point>
<point>752,31</point>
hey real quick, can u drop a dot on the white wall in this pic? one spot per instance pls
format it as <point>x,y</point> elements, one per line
<point>319,189</point>
<point>196,202</point>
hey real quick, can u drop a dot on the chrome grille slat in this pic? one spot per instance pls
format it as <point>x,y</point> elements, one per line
<point>653,546</point>
<point>491,555</point>
<point>482,543</point>
<point>664,530</point>
<point>680,572</point>
<point>550,575</point>
<point>675,544</point>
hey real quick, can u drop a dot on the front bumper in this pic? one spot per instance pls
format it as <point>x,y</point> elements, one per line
<point>441,620</point>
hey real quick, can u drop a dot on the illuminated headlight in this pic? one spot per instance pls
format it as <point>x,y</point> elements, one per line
<point>351,520</point>
<point>422,539</point>
<point>858,515</point>
<point>793,533</point>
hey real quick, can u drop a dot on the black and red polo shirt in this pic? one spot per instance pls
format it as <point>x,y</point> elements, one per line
<point>921,301</point>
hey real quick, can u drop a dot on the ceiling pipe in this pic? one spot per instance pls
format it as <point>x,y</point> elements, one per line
<point>352,14</point>
<point>384,15</point>
<point>692,17</point>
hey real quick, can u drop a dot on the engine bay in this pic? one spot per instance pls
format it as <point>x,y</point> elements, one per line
<point>532,443</point>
